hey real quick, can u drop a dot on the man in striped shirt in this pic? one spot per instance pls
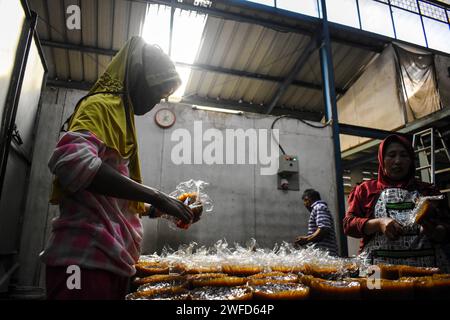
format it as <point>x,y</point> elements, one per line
<point>320,226</point>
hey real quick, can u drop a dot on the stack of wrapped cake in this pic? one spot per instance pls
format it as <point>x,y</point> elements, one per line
<point>223,273</point>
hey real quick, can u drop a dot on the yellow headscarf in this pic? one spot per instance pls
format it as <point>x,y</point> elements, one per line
<point>105,114</point>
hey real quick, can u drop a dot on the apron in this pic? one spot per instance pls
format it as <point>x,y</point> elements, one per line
<point>412,248</point>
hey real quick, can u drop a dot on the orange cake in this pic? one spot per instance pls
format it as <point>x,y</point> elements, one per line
<point>165,294</point>
<point>203,276</point>
<point>202,269</point>
<point>328,289</point>
<point>289,269</point>
<point>158,278</point>
<point>241,270</point>
<point>388,271</point>
<point>277,276</point>
<point>221,293</point>
<point>323,272</point>
<point>200,276</point>
<point>219,282</point>
<point>387,289</point>
<point>144,269</point>
<point>433,287</point>
<point>165,284</point>
<point>408,271</point>
<point>279,290</point>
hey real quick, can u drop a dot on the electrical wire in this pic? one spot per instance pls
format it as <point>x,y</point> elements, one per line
<point>302,121</point>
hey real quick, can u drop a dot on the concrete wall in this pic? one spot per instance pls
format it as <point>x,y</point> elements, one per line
<point>246,204</point>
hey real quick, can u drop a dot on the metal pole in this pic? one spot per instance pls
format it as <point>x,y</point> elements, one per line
<point>423,25</point>
<point>392,19</point>
<point>359,14</point>
<point>432,157</point>
<point>329,95</point>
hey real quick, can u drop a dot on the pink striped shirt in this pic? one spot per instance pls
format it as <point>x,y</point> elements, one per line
<point>92,230</point>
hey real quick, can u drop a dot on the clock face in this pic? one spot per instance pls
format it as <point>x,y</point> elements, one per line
<point>165,118</point>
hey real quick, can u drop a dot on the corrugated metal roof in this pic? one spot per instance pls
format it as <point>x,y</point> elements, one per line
<point>228,44</point>
<point>260,50</point>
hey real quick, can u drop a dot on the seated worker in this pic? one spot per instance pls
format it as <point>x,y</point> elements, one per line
<point>98,183</point>
<point>379,211</point>
<point>320,226</point>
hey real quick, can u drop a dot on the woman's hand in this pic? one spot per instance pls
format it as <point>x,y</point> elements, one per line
<point>174,207</point>
<point>390,228</point>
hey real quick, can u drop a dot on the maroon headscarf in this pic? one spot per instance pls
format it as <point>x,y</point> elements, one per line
<point>383,180</point>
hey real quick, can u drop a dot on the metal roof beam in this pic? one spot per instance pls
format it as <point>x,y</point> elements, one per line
<point>252,75</point>
<point>363,131</point>
<point>76,47</point>
<point>80,85</point>
<point>196,66</point>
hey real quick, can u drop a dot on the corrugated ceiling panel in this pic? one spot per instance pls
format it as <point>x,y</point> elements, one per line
<point>273,62</point>
<point>255,91</point>
<point>40,7</point>
<point>204,84</point>
<point>76,65</point>
<point>213,27</point>
<point>61,64</point>
<point>89,14</point>
<point>136,19</point>
<point>245,58</point>
<point>89,37</point>
<point>301,98</point>
<point>105,23</point>
<point>57,33</point>
<point>90,67</point>
<point>48,53</point>
<point>194,78</point>
<point>120,29</point>
<point>223,42</point>
<point>216,84</point>
<point>56,19</point>
<point>311,70</point>
<point>228,86</point>
<point>240,34</point>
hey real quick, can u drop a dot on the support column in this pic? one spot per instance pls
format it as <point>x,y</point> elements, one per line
<point>329,97</point>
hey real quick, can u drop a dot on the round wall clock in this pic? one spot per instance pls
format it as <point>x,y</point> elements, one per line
<point>165,118</point>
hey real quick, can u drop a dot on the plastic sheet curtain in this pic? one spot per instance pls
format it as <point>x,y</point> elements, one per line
<point>417,83</point>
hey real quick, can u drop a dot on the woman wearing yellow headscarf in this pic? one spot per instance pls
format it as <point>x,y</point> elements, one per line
<point>98,185</point>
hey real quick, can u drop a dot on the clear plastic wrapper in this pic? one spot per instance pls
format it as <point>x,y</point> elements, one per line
<point>422,209</point>
<point>250,259</point>
<point>191,193</point>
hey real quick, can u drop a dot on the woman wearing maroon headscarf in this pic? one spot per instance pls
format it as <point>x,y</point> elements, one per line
<point>379,211</point>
